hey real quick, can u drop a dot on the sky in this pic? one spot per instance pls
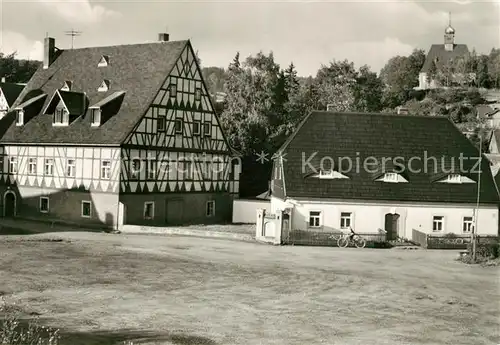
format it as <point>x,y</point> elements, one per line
<point>307,33</point>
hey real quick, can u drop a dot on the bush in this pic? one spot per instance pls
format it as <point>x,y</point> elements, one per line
<point>485,250</point>
<point>12,332</point>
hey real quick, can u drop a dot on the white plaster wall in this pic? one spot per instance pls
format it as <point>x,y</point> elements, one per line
<point>369,217</point>
<point>244,211</point>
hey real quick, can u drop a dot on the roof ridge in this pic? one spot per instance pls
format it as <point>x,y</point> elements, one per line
<point>125,45</point>
<point>379,114</point>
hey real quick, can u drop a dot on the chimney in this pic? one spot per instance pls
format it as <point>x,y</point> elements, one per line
<point>49,52</point>
<point>163,37</point>
<point>3,79</point>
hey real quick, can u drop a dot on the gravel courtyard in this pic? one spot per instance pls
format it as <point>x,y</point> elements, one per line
<point>104,289</point>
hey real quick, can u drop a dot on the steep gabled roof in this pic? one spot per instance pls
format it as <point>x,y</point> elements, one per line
<point>11,91</point>
<point>399,138</point>
<point>138,69</point>
<point>441,56</point>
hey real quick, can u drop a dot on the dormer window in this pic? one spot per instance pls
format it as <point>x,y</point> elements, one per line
<point>328,174</point>
<point>104,61</point>
<point>19,117</point>
<point>61,117</point>
<point>456,179</point>
<point>95,116</point>
<point>104,87</point>
<point>67,85</point>
<point>392,177</point>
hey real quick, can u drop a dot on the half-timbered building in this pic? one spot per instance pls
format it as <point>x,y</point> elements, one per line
<point>118,135</point>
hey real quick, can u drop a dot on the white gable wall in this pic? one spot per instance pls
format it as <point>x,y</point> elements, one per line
<point>368,217</point>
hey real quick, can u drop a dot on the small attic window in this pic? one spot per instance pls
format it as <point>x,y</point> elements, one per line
<point>197,94</point>
<point>104,61</point>
<point>173,90</point>
<point>329,174</point>
<point>19,117</point>
<point>104,87</point>
<point>392,177</point>
<point>457,179</point>
<point>67,85</point>
<point>95,116</point>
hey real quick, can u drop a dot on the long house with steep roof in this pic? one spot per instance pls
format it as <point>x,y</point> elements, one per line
<point>118,135</point>
<point>373,172</point>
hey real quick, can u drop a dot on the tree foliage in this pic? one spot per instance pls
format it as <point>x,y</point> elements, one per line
<point>400,76</point>
<point>17,71</point>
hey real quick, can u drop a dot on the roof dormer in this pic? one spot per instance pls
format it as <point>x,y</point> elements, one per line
<point>104,87</point>
<point>95,116</point>
<point>66,106</point>
<point>106,108</point>
<point>19,117</point>
<point>67,85</point>
<point>328,174</point>
<point>28,109</point>
<point>392,177</point>
<point>456,179</point>
<point>104,61</point>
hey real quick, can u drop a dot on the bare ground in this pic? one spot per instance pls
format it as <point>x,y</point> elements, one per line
<point>103,288</point>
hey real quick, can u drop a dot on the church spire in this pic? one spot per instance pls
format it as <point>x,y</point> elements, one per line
<point>449,35</point>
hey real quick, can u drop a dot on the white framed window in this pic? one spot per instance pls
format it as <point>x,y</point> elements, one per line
<point>196,128</point>
<point>95,116</point>
<point>188,170</point>
<point>391,177</point>
<point>151,169</point>
<point>314,219</point>
<point>13,165</point>
<point>277,172</point>
<point>437,223</point>
<point>454,178</point>
<point>104,87</point>
<point>178,126</point>
<point>70,168</point>
<point>44,204</point>
<point>104,61</point>
<point>135,169</point>
<point>326,173</point>
<point>160,123</point>
<point>210,208</point>
<point>86,209</point>
<point>149,210</point>
<point>207,128</point>
<point>49,167</point>
<point>106,169</point>
<point>19,117</point>
<point>173,90</point>
<point>468,225</point>
<point>32,166</point>
<point>197,94</point>
<point>345,220</point>
<point>61,117</point>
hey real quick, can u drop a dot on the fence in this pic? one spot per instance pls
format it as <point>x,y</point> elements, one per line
<point>448,241</point>
<point>317,238</point>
